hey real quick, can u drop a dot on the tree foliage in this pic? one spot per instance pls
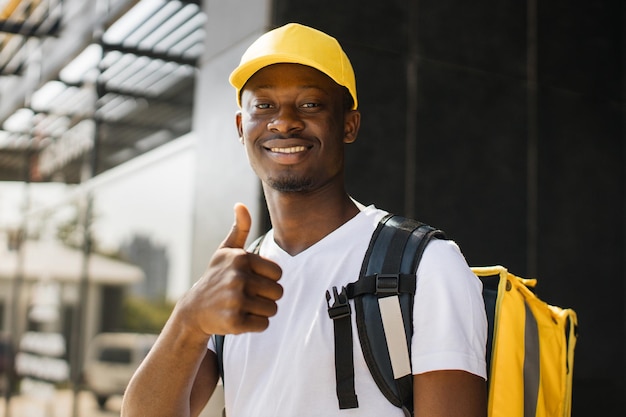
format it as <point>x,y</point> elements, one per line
<point>145,316</point>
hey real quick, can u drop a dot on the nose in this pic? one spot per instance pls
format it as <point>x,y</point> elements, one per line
<point>286,120</point>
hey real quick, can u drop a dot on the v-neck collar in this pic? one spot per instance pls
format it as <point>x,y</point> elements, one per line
<point>270,246</point>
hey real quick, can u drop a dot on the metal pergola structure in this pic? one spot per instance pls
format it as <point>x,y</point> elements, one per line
<point>128,91</point>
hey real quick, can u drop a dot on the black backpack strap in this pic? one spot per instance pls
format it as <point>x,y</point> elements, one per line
<point>339,311</point>
<point>218,339</point>
<point>383,300</point>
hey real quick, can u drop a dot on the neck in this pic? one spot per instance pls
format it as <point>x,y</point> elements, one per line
<point>300,220</point>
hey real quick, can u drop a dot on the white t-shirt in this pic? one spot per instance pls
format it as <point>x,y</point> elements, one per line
<point>289,370</point>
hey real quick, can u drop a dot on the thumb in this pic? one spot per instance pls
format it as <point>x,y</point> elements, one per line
<point>239,232</point>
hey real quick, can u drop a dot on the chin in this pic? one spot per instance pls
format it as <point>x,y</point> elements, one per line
<point>290,184</point>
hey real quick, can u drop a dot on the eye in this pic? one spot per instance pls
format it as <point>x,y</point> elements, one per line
<point>263,106</point>
<point>310,105</point>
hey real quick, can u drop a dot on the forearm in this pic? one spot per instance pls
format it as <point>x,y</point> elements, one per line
<point>236,294</point>
<point>163,383</point>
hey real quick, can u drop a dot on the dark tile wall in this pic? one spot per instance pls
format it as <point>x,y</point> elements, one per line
<point>503,123</point>
<point>581,186</point>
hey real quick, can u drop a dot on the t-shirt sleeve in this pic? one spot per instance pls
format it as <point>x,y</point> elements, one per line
<point>211,344</point>
<point>449,319</point>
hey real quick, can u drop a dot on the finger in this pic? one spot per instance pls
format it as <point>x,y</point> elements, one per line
<point>261,307</point>
<point>240,230</point>
<point>265,288</point>
<point>264,267</point>
<point>254,323</point>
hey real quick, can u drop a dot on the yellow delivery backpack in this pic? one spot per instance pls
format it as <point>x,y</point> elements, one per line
<point>530,351</point>
<point>530,347</point>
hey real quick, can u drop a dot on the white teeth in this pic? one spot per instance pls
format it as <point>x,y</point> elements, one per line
<point>293,149</point>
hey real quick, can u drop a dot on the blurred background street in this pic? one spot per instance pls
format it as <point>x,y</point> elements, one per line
<point>62,404</point>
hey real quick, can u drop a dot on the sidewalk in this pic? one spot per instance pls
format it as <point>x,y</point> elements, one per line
<point>62,404</point>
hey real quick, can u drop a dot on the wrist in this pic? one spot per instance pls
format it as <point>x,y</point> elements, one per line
<point>185,332</point>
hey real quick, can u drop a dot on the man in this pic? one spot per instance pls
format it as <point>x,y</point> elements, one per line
<point>298,111</point>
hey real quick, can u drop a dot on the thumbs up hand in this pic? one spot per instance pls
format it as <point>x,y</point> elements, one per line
<point>238,291</point>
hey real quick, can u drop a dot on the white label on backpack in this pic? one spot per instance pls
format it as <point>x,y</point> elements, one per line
<point>396,337</point>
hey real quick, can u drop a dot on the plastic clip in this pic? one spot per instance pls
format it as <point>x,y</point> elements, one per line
<point>387,284</point>
<point>340,307</point>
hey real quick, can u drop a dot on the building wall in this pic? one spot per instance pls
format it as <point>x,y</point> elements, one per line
<point>502,123</point>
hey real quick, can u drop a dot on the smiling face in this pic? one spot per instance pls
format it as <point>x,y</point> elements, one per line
<point>294,124</point>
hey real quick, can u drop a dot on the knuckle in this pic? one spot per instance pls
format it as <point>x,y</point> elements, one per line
<point>234,321</point>
<point>279,291</point>
<point>273,309</point>
<point>240,258</point>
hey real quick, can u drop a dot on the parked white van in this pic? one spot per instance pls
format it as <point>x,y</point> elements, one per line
<point>111,360</point>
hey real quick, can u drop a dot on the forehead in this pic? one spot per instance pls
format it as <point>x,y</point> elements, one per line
<point>291,75</point>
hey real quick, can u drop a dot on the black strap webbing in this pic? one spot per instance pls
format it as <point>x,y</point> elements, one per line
<point>382,283</point>
<point>219,352</point>
<point>340,313</point>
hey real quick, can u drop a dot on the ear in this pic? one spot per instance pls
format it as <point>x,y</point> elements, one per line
<point>352,122</point>
<point>238,123</point>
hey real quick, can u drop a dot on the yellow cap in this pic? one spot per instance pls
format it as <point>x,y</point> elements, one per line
<point>297,44</point>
